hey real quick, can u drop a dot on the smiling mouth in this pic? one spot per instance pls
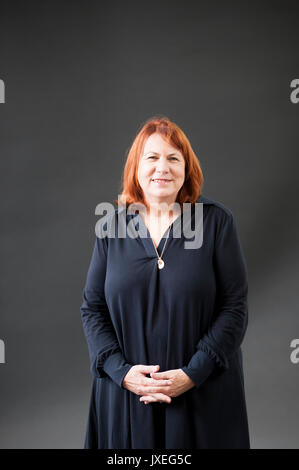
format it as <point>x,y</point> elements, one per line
<point>161,179</point>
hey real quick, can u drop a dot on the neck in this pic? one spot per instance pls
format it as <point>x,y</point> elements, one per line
<point>162,210</point>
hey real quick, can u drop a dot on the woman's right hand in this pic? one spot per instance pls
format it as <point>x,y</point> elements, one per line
<point>136,381</point>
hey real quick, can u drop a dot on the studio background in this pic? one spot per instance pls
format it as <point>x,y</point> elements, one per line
<point>80,78</point>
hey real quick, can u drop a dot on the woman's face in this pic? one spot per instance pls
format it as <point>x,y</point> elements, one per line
<point>161,170</point>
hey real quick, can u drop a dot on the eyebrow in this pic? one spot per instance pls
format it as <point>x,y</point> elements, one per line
<point>156,153</point>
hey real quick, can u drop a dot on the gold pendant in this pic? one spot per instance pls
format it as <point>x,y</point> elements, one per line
<point>160,263</point>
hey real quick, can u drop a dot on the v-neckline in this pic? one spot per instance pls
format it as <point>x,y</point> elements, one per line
<point>148,241</point>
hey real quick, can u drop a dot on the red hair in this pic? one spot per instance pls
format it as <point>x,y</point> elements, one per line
<point>131,191</point>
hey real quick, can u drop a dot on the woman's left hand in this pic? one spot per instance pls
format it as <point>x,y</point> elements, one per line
<point>180,383</point>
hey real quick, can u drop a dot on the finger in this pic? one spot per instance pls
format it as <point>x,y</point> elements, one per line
<point>153,382</point>
<point>149,399</point>
<point>146,398</point>
<point>162,397</point>
<point>158,389</point>
<point>148,369</point>
<point>160,375</point>
<point>155,397</point>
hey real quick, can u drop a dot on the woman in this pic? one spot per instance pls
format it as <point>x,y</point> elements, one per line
<point>163,323</point>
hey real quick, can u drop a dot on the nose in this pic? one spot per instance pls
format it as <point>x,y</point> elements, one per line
<point>162,166</point>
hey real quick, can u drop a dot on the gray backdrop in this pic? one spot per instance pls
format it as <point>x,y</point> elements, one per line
<point>80,78</point>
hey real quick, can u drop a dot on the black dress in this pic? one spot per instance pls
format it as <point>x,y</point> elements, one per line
<point>192,314</point>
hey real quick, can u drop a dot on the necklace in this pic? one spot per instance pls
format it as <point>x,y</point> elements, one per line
<point>160,261</point>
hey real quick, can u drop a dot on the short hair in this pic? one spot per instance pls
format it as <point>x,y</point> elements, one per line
<point>131,191</point>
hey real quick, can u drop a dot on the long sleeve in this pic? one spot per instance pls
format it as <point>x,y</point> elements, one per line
<point>227,331</point>
<point>106,357</point>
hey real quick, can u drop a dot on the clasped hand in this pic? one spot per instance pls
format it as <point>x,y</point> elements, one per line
<point>161,387</point>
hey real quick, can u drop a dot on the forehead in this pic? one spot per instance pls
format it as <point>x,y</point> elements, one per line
<point>155,143</point>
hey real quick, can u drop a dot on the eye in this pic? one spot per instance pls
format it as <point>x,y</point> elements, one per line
<point>174,158</point>
<point>152,156</point>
